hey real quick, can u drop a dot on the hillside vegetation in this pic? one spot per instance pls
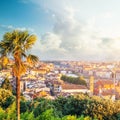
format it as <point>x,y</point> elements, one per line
<point>80,107</point>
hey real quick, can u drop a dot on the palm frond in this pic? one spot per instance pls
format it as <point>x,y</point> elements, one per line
<point>32,59</point>
<point>30,41</point>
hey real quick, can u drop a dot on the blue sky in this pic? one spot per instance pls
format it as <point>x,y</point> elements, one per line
<point>19,14</point>
<point>66,29</point>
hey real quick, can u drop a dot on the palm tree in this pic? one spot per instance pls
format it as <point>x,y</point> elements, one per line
<point>17,44</point>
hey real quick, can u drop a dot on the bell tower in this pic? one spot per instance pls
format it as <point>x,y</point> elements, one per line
<point>91,84</point>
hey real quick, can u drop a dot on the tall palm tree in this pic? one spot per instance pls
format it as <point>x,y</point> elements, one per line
<point>17,44</point>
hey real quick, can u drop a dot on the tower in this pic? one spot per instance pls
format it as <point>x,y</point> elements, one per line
<point>91,83</point>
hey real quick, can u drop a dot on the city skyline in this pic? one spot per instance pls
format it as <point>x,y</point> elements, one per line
<point>66,29</point>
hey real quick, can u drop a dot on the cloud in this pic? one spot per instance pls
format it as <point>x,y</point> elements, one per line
<point>76,38</point>
<point>69,39</point>
<point>10,27</point>
<point>51,41</point>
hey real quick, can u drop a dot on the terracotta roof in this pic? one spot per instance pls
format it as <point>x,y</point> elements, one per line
<point>72,86</point>
<point>108,92</point>
<point>103,82</point>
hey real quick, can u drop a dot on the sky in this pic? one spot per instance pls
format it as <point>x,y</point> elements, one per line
<point>66,29</point>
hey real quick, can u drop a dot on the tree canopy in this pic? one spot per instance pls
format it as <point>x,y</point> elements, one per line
<point>74,80</point>
<point>6,84</point>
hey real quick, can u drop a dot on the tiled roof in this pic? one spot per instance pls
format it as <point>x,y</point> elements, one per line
<point>72,86</point>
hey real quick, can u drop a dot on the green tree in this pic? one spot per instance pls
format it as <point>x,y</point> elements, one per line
<point>11,115</point>
<point>17,43</point>
<point>74,80</point>
<point>69,117</point>
<point>2,114</point>
<point>6,84</point>
<point>6,98</point>
<point>23,106</point>
<point>41,105</point>
<point>48,115</point>
<point>27,116</point>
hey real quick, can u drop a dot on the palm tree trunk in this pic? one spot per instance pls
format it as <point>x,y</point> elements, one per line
<point>18,97</point>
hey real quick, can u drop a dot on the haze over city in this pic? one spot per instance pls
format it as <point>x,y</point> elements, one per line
<point>66,29</point>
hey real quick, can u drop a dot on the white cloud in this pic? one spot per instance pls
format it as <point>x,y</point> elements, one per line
<point>51,41</point>
<point>5,27</point>
<point>10,27</point>
<point>72,38</point>
<point>24,29</point>
<point>69,39</point>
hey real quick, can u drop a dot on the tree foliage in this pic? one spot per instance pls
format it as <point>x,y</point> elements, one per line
<point>6,84</point>
<point>79,107</point>
<point>4,61</point>
<point>6,98</point>
<point>74,80</point>
<point>41,105</point>
<point>27,116</point>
